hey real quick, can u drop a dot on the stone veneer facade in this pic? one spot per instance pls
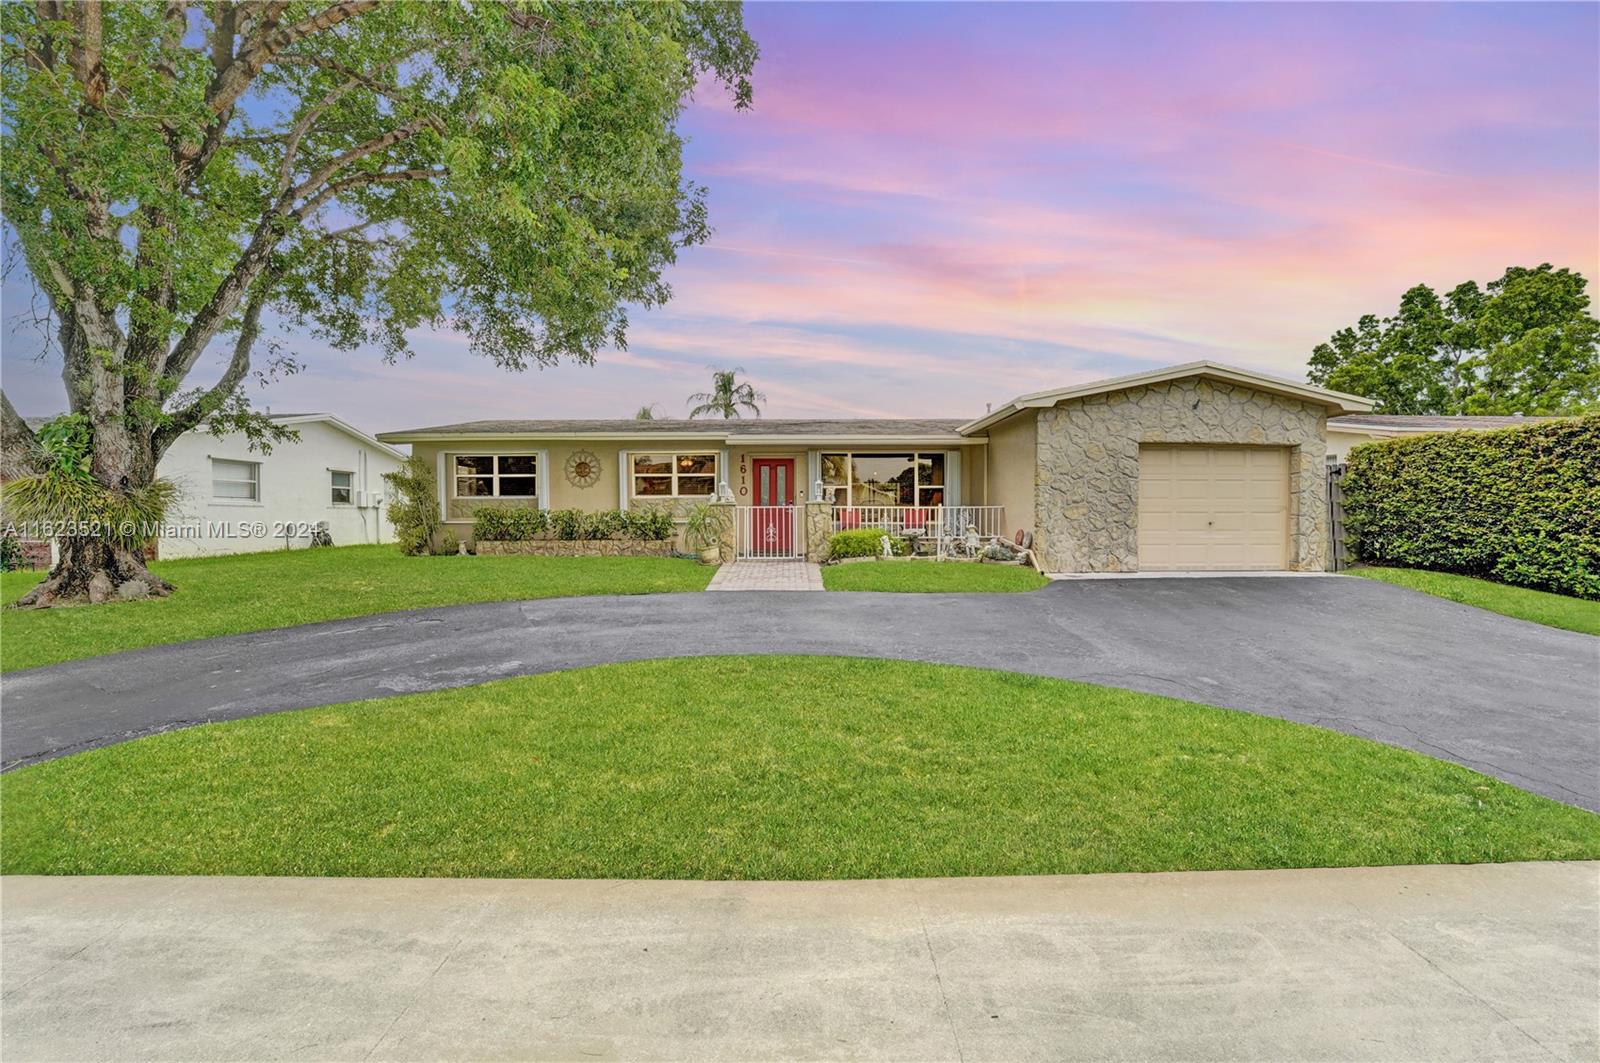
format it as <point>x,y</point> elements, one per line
<point>1087,488</point>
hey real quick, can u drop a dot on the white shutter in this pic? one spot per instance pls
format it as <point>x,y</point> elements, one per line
<point>952,477</point>
<point>545,472</point>
<point>623,475</point>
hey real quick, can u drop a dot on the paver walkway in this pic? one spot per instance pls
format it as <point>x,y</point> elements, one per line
<point>1437,963</point>
<point>768,576</point>
<point>1504,696</point>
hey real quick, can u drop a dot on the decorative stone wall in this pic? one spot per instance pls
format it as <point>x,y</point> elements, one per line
<point>577,548</point>
<point>1087,490</point>
<point>730,550</point>
<point>818,529</point>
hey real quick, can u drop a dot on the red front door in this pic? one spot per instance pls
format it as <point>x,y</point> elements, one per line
<point>773,529</point>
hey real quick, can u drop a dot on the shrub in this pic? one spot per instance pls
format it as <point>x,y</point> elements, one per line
<point>10,553</point>
<point>648,523</point>
<point>414,506</point>
<point>862,542</point>
<point>496,524</point>
<point>1520,505</point>
<point>705,526</point>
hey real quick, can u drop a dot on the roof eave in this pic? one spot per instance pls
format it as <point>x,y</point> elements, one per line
<point>1333,400</point>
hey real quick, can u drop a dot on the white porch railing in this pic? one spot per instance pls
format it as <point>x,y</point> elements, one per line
<point>763,533</point>
<point>934,522</point>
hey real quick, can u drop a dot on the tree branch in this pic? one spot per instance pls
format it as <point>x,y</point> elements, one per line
<point>266,40</point>
<point>361,151</point>
<point>19,449</point>
<point>361,180</point>
<point>85,55</point>
<point>297,133</point>
<point>196,412</point>
<point>382,88</point>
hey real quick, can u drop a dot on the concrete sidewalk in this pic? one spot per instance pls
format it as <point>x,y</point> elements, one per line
<point>1475,962</point>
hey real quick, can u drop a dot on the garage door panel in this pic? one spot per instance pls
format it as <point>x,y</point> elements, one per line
<point>1213,507</point>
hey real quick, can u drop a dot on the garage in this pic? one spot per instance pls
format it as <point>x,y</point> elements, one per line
<point>1213,508</point>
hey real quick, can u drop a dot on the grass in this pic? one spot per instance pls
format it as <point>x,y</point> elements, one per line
<point>930,576</point>
<point>250,592</point>
<point>1541,607</point>
<point>769,767</point>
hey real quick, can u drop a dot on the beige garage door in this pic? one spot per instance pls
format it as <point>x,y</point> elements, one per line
<point>1211,508</point>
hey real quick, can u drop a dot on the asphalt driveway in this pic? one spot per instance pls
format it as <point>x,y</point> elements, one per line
<point>1506,697</point>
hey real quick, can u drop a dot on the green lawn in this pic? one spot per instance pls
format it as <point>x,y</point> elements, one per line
<point>764,767</point>
<point>250,592</point>
<point>924,575</point>
<point>1542,607</point>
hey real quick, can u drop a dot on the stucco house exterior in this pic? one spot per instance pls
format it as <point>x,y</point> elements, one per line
<point>1195,467</point>
<point>235,500</point>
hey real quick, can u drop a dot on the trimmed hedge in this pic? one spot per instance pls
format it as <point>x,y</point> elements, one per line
<point>862,542</point>
<point>1518,505</point>
<point>492,524</point>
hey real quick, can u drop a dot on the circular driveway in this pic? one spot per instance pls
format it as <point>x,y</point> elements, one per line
<point>1506,697</point>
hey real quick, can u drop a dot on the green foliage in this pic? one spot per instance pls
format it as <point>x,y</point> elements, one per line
<point>1520,506</point>
<point>863,542</point>
<point>1528,344</point>
<point>801,768</point>
<point>727,396</point>
<point>10,553</point>
<point>495,524</point>
<point>513,171</point>
<point>413,507</point>
<point>66,500</point>
<point>705,526</point>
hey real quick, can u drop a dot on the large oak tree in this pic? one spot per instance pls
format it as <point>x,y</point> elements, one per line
<point>175,171</point>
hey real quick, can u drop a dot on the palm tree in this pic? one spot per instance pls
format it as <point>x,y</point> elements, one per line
<point>646,412</point>
<point>726,396</point>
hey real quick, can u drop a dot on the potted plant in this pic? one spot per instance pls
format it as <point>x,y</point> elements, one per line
<point>703,530</point>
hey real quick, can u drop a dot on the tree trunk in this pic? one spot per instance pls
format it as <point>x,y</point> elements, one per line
<point>92,571</point>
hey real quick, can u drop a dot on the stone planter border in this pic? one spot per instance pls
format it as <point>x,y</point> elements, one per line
<point>576,548</point>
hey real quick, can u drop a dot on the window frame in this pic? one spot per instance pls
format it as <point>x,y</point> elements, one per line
<point>673,473</point>
<point>916,457</point>
<point>254,498</point>
<point>495,475</point>
<point>349,489</point>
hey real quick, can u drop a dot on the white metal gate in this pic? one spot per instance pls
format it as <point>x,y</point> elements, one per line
<point>769,533</point>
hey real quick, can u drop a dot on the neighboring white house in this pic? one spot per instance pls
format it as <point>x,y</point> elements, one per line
<point>236,500</point>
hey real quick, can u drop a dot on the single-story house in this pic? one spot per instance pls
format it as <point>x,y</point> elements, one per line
<point>235,500</point>
<point>1354,429</point>
<point>1195,467</point>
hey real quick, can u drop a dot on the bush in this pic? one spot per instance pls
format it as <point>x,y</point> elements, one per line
<point>1519,505</point>
<point>496,524</point>
<point>863,542</point>
<point>414,505</point>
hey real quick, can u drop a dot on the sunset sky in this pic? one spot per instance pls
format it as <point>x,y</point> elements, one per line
<point>934,207</point>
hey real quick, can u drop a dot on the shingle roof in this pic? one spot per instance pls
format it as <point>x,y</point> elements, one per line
<point>887,428</point>
<point>1398,422</point>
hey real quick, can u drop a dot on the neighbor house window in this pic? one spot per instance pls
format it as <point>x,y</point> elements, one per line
<point>496,476</point>
<point>342,495</point>
<point>236,480</point>
<point>674,475</point>
<point>884,479</point>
